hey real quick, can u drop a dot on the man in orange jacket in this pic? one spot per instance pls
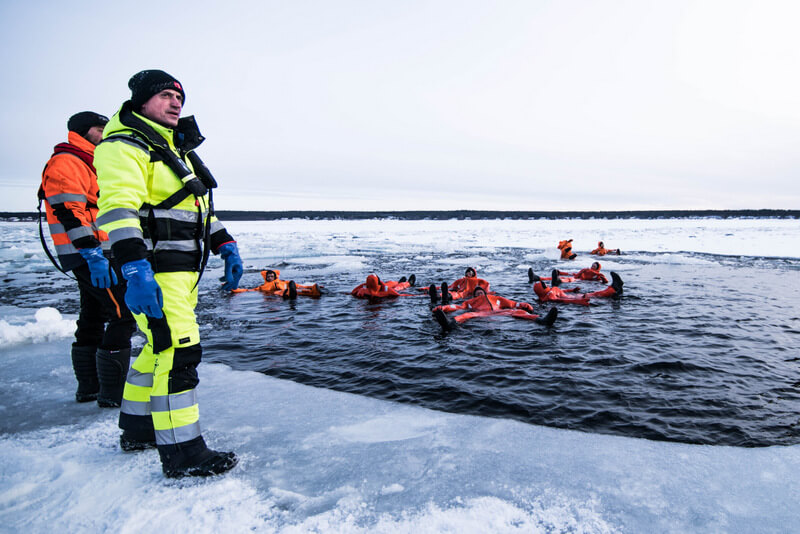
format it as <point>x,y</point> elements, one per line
<point>102,348</point>
<point>484,305</point>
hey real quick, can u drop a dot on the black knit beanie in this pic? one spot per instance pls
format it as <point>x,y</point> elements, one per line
<point>147,83</point>
<point>80,123</point>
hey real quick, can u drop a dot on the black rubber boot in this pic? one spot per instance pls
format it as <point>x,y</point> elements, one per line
<point>433,294</point>
<point>550,318</point>
<point>291,293</point>
<point>616,283</point>
<point>194,459</point>
<point>128,443</point>
<point>532,277</point>
<point>444,322</point>
<point>555,281</point>
<point>446,297</point>
<point>402,279</point>
<point>112,368</point>
<point>83,363</point>
<point>412,280</point>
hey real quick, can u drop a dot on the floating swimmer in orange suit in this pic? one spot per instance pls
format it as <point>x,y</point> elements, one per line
<point>602,251</point>
<point>461,288</point>
<point>485,305</point>
<point>566,250</point>
<point>273,285</point>
<point>374,288</point>
<point>556,294</point>
<point>592,274</point>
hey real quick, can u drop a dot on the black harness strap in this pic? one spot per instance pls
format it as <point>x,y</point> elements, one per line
<point>41,196</point>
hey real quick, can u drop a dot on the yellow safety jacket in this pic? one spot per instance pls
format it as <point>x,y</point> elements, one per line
<point>144,206</point>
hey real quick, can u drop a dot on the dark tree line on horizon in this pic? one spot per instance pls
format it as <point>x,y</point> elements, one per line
<point>233,215</point>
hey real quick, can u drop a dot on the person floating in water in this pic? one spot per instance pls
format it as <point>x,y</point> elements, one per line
<point>566,250</point>
<point>288,289</point>
<point>572,295</point>
<point>484,305</point>
<point>601,250</point>
<point>591,274</point>
<point>374,288</point>
<point>461,288</point>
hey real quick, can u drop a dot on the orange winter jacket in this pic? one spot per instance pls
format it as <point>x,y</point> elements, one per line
<point>69,188</point>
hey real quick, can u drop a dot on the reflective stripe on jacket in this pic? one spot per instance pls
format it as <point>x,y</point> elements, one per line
<point>134,181</point>
<point>70,190</point>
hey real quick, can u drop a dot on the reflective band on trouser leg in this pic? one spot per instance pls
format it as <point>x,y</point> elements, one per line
<point>173,401</point>
<point>134,416</point>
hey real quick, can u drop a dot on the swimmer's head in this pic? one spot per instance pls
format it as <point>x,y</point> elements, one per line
<point>478,291</point>
<point>470,272</point>
<point>600,244</point>
<point>596,266</point>
<point>539,289</point>
<point>270,275</point>
<point>373,282</point>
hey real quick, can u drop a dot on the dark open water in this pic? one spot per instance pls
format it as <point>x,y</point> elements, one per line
<point>705,353</point>
<point>707,356</point>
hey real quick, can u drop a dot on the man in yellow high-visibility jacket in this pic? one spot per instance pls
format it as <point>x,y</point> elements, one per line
<point>154,205</point>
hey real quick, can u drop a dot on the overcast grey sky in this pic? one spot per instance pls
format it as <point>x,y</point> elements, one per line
<point>374,105</point>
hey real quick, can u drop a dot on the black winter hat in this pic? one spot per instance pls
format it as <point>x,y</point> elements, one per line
<point>80,123</point>
<point>147,83</point>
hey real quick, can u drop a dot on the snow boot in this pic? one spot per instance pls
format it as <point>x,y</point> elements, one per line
<point>412,280</point>
<point>532,277</point>
<point>112,369</point>
<point>555,281</point>
<point>83,363</point>
<point>193,459</point>
<point>128,443</point>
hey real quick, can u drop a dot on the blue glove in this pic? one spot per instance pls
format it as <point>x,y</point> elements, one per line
<point>101,273</point>
<point>143,294</point>
<point>233,265</point>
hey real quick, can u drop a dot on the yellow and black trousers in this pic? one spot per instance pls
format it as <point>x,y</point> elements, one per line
<point>160,399</point>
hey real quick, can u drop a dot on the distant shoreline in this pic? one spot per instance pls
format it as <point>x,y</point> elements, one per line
<point>228,215</point>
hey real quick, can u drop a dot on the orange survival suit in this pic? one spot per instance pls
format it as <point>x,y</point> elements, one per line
<point>374,288</point>
<point>465,286</point>
<point>588,274</point>
<point>566,250</point>
<point>602,250</point>
<point>488,305</point>
<point>279,287</point>
<point>556,294</point>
